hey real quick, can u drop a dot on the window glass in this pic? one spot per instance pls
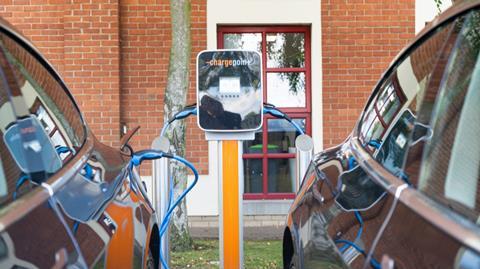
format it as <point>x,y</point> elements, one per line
<point>389,104</point>
<point>282,135</point>
<point>44,97</point>
<point>9,170</point>
<point>286,89</point>
<point>368,118</point>
<point>40,126</point>
<point>244,41</point>
<point>393,149</point>
<point>451,156</point>
<point>388,121</point>
<point>281,175</point>
<point>285,50</point>
<point>254,146</point>
<point>374,132</point>
<point>269,157</point>
<point>253,175</point>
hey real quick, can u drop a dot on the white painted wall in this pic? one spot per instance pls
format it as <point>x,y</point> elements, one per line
<point>276,12</point>
<point>203,200</point>
<point>426,10</point>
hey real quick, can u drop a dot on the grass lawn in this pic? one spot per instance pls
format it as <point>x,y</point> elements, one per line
<point>258,255</point>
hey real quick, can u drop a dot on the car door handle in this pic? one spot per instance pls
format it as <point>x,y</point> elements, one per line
<point>387,262</point>
<point>60,259</point>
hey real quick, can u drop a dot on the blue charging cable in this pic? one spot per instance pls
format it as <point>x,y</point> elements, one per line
<point>19,183</point>
<point>376,143</point>
<point>272,110</point>
<point>88,168</point>
<point>267,109</point>
<point>137,159</point>
<point>60,150</point>
<point>373,262</point>
<point>359,233</point>
<point>187,111</point>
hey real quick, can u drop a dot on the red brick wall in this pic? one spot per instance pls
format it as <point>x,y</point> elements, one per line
<point>42,22</point>
<point>114,57</point>
<point>145,44</point>
<point>197,147</point>
<point>359,40</point>
<point>91,47</point>
<point>145,31</point>
<point>81,39</point>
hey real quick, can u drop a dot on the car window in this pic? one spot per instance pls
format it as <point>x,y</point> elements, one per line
<point>9,171</point>
<point>45,97</point>
<point>450,168</point>
<point>389,119</point>
<point>40,124</point>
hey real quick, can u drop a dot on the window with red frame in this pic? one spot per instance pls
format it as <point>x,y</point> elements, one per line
<point>269,160</point>
<point>380,114</point>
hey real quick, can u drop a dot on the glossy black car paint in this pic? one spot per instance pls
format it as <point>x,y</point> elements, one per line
<point>399,225</point>
<point>85,213</point>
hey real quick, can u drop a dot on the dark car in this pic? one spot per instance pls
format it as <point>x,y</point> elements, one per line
<point>66,199</point>
<point>403,190</point>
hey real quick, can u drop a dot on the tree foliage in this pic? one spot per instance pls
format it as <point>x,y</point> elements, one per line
<point>438,3</point>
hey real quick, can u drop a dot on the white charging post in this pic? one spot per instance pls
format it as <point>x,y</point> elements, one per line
<point>161,190</point>
<point>303,156</point>
<point>230,109</point>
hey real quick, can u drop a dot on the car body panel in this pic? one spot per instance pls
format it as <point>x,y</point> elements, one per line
<point>354,199</point>
<point>83,213</point>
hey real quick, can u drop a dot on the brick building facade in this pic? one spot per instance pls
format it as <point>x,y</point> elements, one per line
<point>113,54</point>
<point>360,39</point>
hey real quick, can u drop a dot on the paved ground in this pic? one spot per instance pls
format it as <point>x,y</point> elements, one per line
<point>255,227</point>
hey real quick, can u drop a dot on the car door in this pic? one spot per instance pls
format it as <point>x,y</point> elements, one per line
<point>348,201</point>
<point>432,160</point>
<point>89,180</point>
<point>33,232</point>
<point>359,206</point>
<point>87,187</point>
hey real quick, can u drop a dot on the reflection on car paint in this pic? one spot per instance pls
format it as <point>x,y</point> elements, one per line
<point>336,227</point>
<point>77,224</point>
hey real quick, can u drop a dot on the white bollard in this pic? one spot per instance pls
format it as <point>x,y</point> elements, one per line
<point>304,146</point>
<point>161,190</point>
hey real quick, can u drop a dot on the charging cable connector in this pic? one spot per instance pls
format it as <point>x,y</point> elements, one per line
<point>186,112</point>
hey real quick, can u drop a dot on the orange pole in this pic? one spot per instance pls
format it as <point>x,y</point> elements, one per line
<point>230,207</point>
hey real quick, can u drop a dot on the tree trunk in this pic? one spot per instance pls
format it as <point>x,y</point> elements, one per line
<point>175,99</point>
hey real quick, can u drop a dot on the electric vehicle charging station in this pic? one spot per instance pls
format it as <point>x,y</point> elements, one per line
<point>229,94</point>
<point>230,109</point>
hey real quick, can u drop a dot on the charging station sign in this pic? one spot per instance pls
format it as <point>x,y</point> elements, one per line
<point>229,91</point>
